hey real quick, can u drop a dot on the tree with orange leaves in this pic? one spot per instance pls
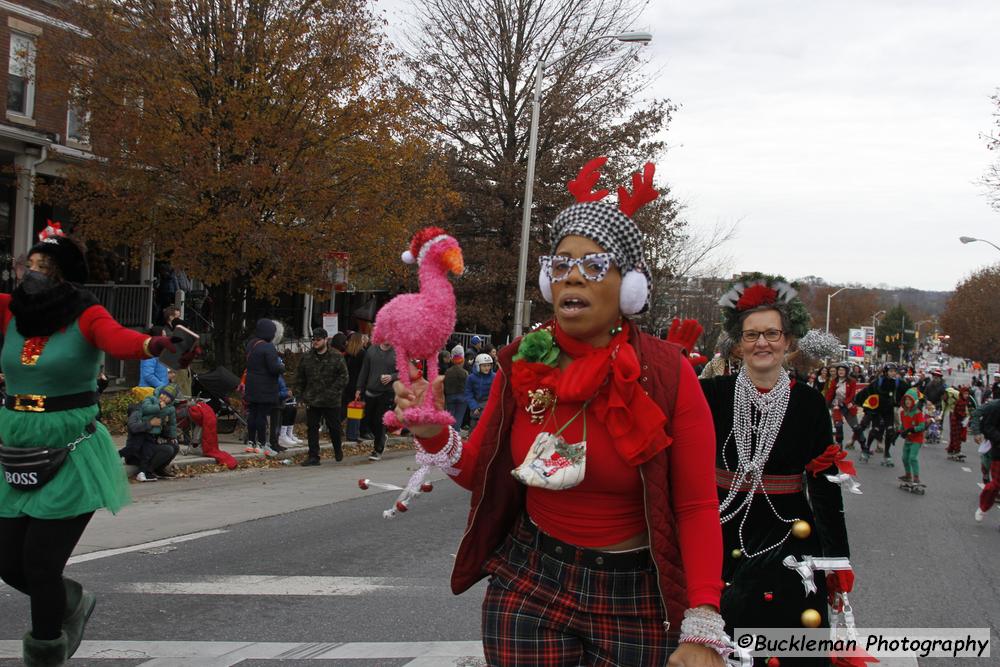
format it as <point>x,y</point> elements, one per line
<point>245,139</point>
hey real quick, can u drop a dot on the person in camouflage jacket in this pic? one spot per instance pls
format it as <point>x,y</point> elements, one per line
<point>319,383</point>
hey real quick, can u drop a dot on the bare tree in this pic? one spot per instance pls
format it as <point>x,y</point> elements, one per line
<point>474,61</point>
<point>689,279</point>
<point>992,177</point>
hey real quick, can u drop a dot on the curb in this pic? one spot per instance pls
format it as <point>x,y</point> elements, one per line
<point>182,462</point>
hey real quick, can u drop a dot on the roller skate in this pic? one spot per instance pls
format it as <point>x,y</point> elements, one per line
<point>863,457</point>
<point>957,456</point>
<point>887,462</point>
<point>913,486</point>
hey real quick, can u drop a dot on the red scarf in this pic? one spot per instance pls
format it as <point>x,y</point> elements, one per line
<point>609,378</point>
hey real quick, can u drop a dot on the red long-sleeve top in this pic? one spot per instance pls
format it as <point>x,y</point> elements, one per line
<point>607,506</point>
<point>99,329</point>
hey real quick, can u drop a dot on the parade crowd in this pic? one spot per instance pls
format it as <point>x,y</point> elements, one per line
<point>624,510</point>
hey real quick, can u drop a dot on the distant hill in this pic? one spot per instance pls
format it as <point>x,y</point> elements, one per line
<point>930,303</point>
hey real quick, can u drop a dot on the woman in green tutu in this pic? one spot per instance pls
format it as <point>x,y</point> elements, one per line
<point>59,463</point>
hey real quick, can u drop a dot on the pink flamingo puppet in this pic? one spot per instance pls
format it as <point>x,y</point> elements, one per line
<point>418,325</point>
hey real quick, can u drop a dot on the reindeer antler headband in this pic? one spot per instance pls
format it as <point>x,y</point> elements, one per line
<point>610,227</point>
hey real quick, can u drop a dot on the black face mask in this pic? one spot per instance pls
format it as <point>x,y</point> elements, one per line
<point>36,282</point>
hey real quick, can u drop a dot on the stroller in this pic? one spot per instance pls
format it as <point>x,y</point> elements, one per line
<point>215,388</point>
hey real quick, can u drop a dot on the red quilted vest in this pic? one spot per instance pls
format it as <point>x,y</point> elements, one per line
<point>490,521</point>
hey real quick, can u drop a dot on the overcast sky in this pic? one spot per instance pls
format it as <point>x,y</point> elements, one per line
<point>844,136</point>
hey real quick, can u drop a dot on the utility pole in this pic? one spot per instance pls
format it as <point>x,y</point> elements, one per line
<point>902,338</point>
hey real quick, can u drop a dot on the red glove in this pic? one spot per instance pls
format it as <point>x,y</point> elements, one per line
<point>839,581</point>
<point>157,344</point>
<point>684,333</point>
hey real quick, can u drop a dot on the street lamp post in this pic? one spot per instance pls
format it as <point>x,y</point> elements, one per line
<point>520,315</point>
<point>970,239</point>
<point>875,318</point>
<point>829,298</point>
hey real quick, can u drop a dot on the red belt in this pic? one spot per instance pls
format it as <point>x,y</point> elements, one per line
<point>774,484</point>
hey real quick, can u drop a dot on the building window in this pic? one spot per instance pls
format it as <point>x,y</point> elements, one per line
<point>21,75</point>
<point>77,120</point>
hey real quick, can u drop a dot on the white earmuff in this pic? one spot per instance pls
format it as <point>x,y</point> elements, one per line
<point>634,293</point>
<point>545,284</point>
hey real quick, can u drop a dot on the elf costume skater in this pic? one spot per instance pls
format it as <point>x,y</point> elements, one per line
<point>59,463</point>
<point>912,424</point>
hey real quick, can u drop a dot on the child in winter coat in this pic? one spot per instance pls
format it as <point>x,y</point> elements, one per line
<point>477,387</point>
<point>912,424</point>
<point>154,418</point>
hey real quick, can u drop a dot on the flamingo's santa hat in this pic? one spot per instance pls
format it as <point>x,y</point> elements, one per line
<point>421,243</point>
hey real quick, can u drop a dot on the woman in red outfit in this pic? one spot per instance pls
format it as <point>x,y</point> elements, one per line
<point>839,395</point>
<point>593,504</point>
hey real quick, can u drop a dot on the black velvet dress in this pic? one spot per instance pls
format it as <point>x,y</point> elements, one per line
<point>760,591</point>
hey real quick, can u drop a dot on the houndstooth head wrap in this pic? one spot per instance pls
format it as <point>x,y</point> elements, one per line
<point>608,227</point>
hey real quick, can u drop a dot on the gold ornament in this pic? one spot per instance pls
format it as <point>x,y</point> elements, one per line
<point>737,553</point>
<point>811,619</point>
<point>541,401</point>
<point>801,529</point>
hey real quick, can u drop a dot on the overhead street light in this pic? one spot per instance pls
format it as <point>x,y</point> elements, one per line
<point>970,239</point>
<point>520,316</point>
<point>829,298</point>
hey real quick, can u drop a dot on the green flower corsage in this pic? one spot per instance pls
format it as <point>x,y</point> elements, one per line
<point>538,347</point>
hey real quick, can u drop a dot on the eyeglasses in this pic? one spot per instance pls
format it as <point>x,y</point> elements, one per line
<point>771,335</point>
<point>592,267</point>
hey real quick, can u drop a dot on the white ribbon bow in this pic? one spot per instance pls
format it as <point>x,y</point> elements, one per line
<point>846,482</point>
<point>808,565</point>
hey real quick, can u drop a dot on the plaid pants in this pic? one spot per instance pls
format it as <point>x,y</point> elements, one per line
<point>542,612</point>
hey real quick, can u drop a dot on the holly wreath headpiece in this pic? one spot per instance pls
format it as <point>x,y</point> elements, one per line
<point>756,290</point>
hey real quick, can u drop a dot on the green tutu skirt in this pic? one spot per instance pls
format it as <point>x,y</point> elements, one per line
<point>91,478</point>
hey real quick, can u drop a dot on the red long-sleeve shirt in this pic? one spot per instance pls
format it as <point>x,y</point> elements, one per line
<point>607,507</point>
<point>99,329</point>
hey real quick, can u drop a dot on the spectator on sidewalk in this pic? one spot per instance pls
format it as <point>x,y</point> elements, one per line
<point>378,372</point>
<point>354,356</point>
<point>454,386</point>
<point>319,384</point>
<point>152,420</point>
<point>276,432</point>
<point>152,371</point>
<point>264,366</point>
<point>477,387</point>
<point>172,317</point>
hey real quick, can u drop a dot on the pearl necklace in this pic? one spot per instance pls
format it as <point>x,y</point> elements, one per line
<point>757,418</point>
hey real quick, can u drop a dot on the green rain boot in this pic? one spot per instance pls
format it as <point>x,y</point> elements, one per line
<point>44,652</point>
<point>79,607</point>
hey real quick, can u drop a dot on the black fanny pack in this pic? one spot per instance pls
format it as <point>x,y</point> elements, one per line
<point>31,468</point>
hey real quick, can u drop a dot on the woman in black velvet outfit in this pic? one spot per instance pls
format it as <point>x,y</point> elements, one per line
<point>774,444</point>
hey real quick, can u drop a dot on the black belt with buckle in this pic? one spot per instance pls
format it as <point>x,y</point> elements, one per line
<point>40,403</point>
<point>637,559</point>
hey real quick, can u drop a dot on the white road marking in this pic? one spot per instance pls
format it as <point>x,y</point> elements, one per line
<point>223,654</point>
<point>268,585</point>
<point>106,553</point>
<point>966,469</point>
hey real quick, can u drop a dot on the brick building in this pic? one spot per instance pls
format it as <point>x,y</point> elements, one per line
<point>39,132</point>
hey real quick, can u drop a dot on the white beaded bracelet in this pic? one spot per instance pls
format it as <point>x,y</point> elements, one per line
<point>706,627</point>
